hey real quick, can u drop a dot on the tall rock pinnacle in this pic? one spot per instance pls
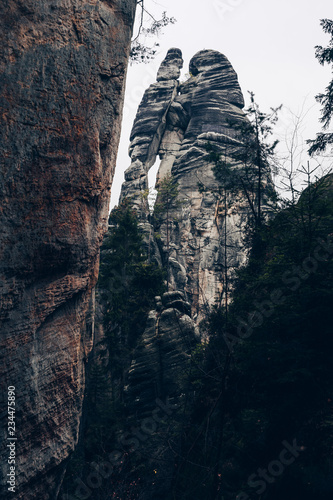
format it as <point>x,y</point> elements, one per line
<point>176,122</point>
<point>149,129</point>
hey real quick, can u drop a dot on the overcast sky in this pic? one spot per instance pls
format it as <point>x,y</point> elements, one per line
<point>269,43</point>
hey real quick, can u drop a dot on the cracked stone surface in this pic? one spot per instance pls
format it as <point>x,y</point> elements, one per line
<point>162,355</point>
<point>62,74</point>
<point>174,124</point>
<point>158,380</point>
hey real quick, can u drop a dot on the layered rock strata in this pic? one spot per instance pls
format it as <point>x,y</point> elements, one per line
<point>149,129</point>
<point>203,240</point>
<point>62,72</point>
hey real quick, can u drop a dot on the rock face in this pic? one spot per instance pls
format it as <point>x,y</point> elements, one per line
<point>149,129</point>
<point>158,381</point>
<point>203,232</point>
<point>160,360</point>
<point>62,71</point>
<point>176,122</point>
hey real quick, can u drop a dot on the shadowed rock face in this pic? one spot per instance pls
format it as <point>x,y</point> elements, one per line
<point>158,380</point>
<point>62,71</point>
<point>175,122</point>
<point>162,355</point>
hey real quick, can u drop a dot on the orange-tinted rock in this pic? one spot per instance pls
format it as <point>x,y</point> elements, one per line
<point>62,71</point>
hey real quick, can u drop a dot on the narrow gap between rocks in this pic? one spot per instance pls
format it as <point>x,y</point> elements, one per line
<point>151,184</point>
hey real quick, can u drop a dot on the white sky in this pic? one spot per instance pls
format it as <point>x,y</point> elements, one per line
<point>270,44</point>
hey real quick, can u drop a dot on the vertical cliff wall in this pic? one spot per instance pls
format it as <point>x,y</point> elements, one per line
<point>62,72</point>
<point>176,122</point>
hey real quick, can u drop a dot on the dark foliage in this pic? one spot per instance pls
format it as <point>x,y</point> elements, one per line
<point>126,289</point>
<point>127,282</point>
<point>324,56</point>
<point>244,171</point>
<point>266,375</point>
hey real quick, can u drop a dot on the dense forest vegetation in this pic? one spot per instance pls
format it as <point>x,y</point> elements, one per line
<point>262,384</point>
<point>267,368</point>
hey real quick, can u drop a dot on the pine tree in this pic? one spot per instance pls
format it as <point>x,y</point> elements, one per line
<point>324,55</point>
<point>248,172</point>
<point>127,285</point>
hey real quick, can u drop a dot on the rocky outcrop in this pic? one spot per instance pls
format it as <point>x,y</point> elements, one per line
<point>148,130</point>
<point>162,356</point>
<point>201,229</point>
<point>62,71</point>
<point>159,392</point>
<point>176,122</point>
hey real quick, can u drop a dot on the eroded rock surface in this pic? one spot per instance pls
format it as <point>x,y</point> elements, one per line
<point>62,71</point>
<point>149,128</point>
<point>159,389</point>
<point>213,102</point>
<point>175,122</point>
<point>162,356</point>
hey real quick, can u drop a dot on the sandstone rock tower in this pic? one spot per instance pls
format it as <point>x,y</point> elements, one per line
<point>62,75</point>
<point>176,122</point>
